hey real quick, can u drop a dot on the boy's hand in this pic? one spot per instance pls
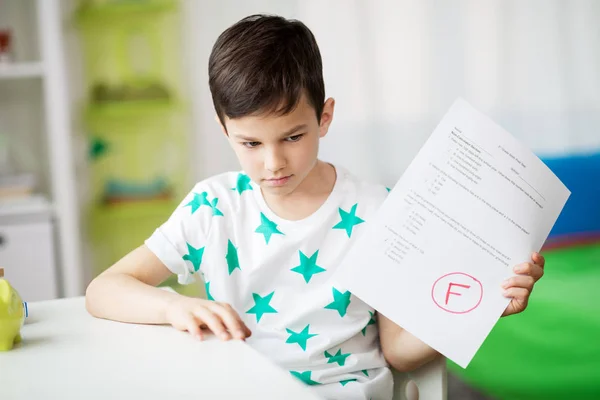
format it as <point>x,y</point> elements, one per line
<point>519,287</point>
<point>191,314</point>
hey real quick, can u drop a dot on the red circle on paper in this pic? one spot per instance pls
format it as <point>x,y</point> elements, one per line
<point>460,276</point>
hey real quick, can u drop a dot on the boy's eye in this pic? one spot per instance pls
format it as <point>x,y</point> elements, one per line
<point>294,138</point>
<point>250,144</point>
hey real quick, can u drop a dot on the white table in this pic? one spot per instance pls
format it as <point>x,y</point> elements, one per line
<point>67,354</point>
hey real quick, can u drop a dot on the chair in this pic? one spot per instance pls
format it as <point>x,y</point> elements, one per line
<point>428,382</point>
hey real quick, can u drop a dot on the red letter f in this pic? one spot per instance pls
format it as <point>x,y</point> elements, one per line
<point>449,292</point>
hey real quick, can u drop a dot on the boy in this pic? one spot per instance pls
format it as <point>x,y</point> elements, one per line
<point>266,241</point>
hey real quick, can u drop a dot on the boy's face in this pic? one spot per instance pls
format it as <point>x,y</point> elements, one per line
<point>279,152</point>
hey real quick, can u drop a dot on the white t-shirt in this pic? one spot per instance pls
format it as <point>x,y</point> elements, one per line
<point>277,274</point>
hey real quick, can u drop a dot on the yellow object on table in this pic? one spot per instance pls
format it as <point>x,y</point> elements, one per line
<point>12,314</point>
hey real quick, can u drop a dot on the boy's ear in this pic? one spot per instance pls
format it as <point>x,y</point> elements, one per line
<point>221,125</point>
<point>326,116</point>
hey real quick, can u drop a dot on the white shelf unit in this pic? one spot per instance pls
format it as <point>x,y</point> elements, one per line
<point>22,70</point>
<point>35,112</point>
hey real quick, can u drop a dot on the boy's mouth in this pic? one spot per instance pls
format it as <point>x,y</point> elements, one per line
<point>278,181</point>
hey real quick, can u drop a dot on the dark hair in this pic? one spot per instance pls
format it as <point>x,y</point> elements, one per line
<point>265,63</point>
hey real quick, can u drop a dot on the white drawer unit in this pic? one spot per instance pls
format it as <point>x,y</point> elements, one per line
<point>27,251</point>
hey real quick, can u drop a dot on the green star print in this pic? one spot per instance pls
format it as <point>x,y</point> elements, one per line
<point>337,358</point>
<point>300,337</point>
<point>347,381</point>
<point>364,371</point>
<point>349,220</point>
<point>195,203</point>
<point>194,256</point>
<point>308,266</point>
<point>262,306</point>
<point>232,258</point>
<point>340,302</point>
<point>207,288</point>
<point>202,200</point>
<point>243,183</point>
<point>213,205</point>
<point>371,322</point>
<point>267,228</point>
<point>304,377</point>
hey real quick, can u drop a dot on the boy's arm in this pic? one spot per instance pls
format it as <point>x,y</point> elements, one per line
<point>403,351</point>
<point>126,291</point>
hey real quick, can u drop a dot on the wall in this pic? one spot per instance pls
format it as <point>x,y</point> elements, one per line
<point>395,67</point>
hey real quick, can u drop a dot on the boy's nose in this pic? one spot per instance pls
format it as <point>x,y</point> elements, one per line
<point>274,160</point>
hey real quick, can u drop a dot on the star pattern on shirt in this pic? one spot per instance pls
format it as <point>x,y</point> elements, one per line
<point>261,306</point>
<point>305,377</point>
<point>308,266</point>
<point>200,200</point>
<point>338,357</point>
<point>208,294</point>
<point>340,302</point>
<point>194,256</point>
<point>213,205</point>
<point>349,220</point>
<point>388,189</point>
<point>372,321</point>
<point>243,183</point>
<point>195,203</point>
<point>300,337</point>
<point>267,228</point>
<point>232,258</point>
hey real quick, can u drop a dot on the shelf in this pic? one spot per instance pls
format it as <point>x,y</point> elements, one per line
<point>124,8</point>
<point>126,225</point>
<point>21,70</point>
<point>33,204</point>
<point>125,109</point>
<point>28,205</point>
<point>141,209</point>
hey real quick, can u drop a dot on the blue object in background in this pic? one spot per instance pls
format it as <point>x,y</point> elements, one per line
<point>129,189</point>
<point>580,217</point>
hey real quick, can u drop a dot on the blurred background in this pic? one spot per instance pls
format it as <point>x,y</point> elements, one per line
<point>106,121</point>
